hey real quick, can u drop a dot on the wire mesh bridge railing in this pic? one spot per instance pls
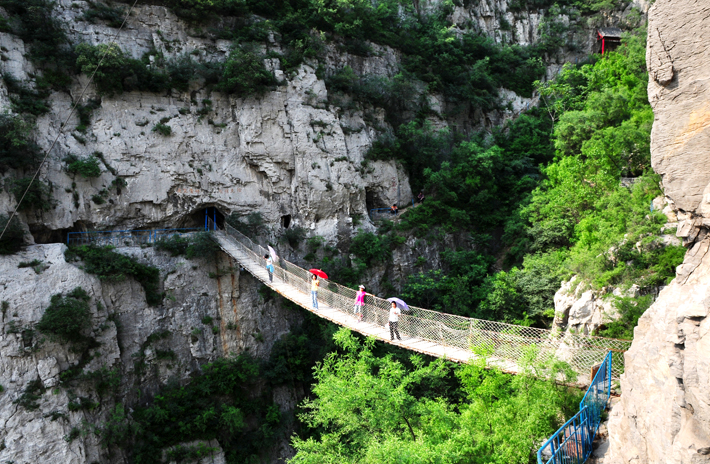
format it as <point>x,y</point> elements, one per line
<point>423,330</point>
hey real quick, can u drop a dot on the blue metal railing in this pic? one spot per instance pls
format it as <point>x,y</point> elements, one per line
<point>124,237</point>
<point>572,443</point>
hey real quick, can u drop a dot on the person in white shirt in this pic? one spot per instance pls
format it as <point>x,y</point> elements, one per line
<point>394,320</point>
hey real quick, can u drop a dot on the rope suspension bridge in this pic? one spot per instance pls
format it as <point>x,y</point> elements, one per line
<point>424,331</point>
<point>442,335</point>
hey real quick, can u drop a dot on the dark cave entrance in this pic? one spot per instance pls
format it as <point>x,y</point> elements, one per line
<point>286,221</point>
<point>42,234</point>
<point>199,218</point>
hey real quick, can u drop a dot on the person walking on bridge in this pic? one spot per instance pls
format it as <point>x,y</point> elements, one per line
<point>314,290</point>
<point>394,320</point>
<point>359,302</point>
<point>270,267</point>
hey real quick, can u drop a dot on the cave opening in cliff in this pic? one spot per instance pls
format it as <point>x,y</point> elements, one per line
<point>374,199</point>
<point>198,219</point>
<point>42,234</point>
<point>285,221</point>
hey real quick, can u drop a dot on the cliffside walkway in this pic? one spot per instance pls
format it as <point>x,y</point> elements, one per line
<point>424,331</point>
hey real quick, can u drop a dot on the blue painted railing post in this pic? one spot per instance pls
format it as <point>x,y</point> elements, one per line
<point>214,223</point>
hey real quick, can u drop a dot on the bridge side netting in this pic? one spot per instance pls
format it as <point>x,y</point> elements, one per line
<point>496,339</point>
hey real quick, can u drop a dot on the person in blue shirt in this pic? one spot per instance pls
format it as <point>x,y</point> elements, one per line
<point>270,267</point>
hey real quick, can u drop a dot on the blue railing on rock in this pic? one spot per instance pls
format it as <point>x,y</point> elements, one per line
<point>572,443</point>
<point>124,237</point>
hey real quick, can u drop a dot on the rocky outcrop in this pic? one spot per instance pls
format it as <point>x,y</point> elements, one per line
<point>664,412</point>
<point>678,89</point>
<point>582,310</point>
<point>205,317</point>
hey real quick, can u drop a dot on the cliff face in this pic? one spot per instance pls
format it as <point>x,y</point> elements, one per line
<point>289,152</point>
<point>201,319</point>
<point>664,412</point>
<point>276,154</point>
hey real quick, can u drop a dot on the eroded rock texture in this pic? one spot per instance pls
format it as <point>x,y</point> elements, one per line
<point>664,412</point>
<point>201,319</point>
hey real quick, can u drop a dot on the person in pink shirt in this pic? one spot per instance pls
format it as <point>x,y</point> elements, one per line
<point>359,302</point>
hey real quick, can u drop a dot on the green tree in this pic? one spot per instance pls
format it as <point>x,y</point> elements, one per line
<point>375,409</point>
<point>245,73</point>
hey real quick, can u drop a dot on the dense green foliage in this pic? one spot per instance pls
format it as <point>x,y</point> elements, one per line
<point>376,409</point>
<point>13,238</point>
<point>38,26</point>
<point>85,167</point>
<point>17,149</point>
<point>25,100</point>
<point>109,265</point>
<point>556,196</point>
<point>68,317</point>
<point>37,194</point>
<point>467,68</point>
<point>231,401</point>
<point>245,73</point>
<point>630,310</point>
<point>198,245</point>
<point>220,403</point>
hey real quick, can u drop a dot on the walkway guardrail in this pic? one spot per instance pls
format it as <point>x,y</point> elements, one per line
<point>124,237</point>
<point>572,443</point>
<point>500,340</point>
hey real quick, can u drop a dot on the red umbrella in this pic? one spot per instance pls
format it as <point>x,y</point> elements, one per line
<point>319,273</point>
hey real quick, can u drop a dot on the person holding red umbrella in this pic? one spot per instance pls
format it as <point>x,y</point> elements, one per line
<point>314,290</point>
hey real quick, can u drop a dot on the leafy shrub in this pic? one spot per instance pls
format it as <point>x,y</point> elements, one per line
<point>630,310</point>
<point>98,199</point>
<point>30,395</point>
<point>251,227</point>
<point>118,72</point>
<point>82,404</point>
<point>354,413</point>
<point>67,318</point>
<point>174,244</point>
<point>13,239</point>
<point>371,248</point>
<point>39,27</point>
<point>17,149</point>
<point>202,246</point>
<point>24,99</point>
<point>293,236</point>
<point>107,264</point>
<point>162,129</point>
<point>86,167</point>
<point>84,113</point>
<point>38,195</point>
<point>113,16</point>
<point>245,73</point>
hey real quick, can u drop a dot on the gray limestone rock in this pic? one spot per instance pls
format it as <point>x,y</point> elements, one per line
<point>210,310</point>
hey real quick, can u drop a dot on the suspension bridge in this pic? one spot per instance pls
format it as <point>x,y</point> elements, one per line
<point>424,331</point>
<point>437,334</point>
